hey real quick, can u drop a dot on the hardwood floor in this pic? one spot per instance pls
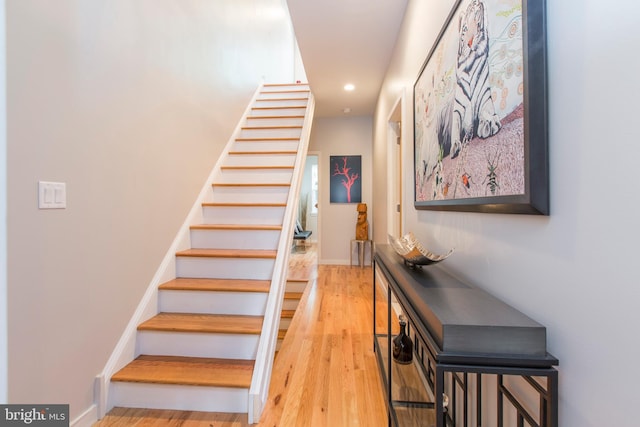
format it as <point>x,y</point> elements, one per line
<point>325,373</point>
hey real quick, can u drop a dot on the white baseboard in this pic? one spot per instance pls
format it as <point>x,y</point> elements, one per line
<point>87,418</point>
<point>333,261</point>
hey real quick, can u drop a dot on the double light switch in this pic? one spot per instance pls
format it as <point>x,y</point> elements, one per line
<point>52,195</point>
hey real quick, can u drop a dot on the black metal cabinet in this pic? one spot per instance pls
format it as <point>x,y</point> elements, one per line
<point>477,361</point>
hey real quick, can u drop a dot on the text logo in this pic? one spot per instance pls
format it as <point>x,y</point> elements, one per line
<point>34,415</point>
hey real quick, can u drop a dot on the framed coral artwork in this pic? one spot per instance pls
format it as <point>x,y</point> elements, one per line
<point>346,179</point>
<point>480,111</point>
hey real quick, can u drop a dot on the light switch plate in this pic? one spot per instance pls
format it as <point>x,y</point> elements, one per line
<point>52,195</point>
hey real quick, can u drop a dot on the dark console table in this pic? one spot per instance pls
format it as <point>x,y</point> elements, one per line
<point>472,352</point>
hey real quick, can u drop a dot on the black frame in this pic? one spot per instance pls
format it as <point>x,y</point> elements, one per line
<point>535,199</point>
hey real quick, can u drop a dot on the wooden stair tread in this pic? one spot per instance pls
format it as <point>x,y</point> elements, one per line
<point>257,153</point>
<point>275,117</point>
<point>251,184</point>
<point>228,253</point>
<point>293,295</point>
<point>255,167</point>
<point>271,127</point>
<point>196,371</point>
<point>203,323</point>
<point>268,139</point>
<point>216,285</point>
<point>287,314</point>
<point>282,333</point>
<point>252,227</point>
<point>283,107</point>
<point>283,91</point>
<point>244,205</point>
<point>281,99</point>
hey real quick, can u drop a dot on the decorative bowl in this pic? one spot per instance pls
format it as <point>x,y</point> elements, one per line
<point>413,252</point>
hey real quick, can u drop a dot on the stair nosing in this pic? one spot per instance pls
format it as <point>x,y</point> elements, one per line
<point>293,295</point>
<point>275,117</point>
<point>228,253</point>
<point>243,205</point>
<point>232,167</point>
<point>281,99</point>
<point>216,285</point>
<point>240,378</point>
<point>238,227</point>
<point>271,127</point>
<point>251,184</point>
<point>282,107</point>
<point>259,153</point>
<point>268,138</point>
<point>287,314</point>
<point>198,323</point>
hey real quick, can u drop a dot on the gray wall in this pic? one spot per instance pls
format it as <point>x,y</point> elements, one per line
<point>130,104</point>
<point>573,271</point>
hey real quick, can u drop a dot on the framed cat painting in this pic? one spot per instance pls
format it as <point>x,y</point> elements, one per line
<point>480,111</point>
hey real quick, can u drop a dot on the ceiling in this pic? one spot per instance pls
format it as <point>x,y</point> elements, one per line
<point>346,41</point>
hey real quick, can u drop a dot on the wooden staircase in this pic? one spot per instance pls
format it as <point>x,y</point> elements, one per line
<point>198,352</point>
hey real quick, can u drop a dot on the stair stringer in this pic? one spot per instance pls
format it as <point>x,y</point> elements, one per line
<point>125,349</point>
<point>259,390</point>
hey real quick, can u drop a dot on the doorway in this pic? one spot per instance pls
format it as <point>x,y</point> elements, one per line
<point>309,206</point>
<point>394,166</point>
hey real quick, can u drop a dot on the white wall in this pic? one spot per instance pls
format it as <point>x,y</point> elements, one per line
<point>306,190</point>
<point>3,211</point>
<point>334,137</point>
<point>130,104</point>
<point>573,271</point>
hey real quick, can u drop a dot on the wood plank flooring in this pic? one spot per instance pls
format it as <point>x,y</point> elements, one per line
<point>325,373</point>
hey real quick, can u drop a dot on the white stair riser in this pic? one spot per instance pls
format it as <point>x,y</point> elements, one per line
<point>179,397</point>
<point>281,103</point>
<point>260,160</point>
<point>290,304</point>
<point>280,88</point>
<point>243,215</point>
<point>294,111</point>
<point>282,94</point>
<point>210,302</point>
<point>235,239</point>
<point>250,194</point>
<point>270,132</point>
<point>295,286</point>
<point>265,146</point>
<point>224,268</point>
<point>192,344</point>
<point>252,176</point>
<point>274,121</point>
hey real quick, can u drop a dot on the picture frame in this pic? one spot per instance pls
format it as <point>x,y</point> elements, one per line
<point>345,185</point>
<point>480,111</point>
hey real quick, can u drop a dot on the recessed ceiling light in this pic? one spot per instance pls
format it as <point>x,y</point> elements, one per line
<point>349,87</point>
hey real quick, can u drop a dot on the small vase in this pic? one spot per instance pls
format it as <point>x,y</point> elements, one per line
<point>402,344</point>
